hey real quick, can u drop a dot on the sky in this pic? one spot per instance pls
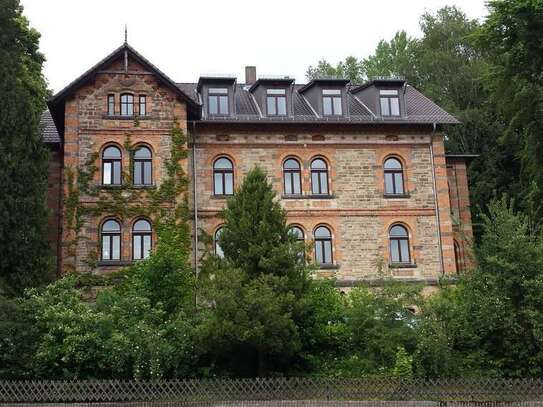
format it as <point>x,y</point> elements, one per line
<point>186,39</point>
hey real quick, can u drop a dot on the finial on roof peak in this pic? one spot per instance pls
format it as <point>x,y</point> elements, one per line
<point>125,34</point>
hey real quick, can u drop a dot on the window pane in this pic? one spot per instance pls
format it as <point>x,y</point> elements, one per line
<point>137,247</point>
<point>394,106</point>
<point>111,226</point>
<point>116,250</point>
<point>213,105</point>
<point>394,251</point>
<point>146,246</point>
<point>228,184</point>
<point>327,252</point>
<point>281,106</point>
<point>288,185</point>
<point>218,184</point>
<point>398,177</point>
<point>223,163</point>
<point>327,106</point>
<point>315,183</point>
<point>142,225</point>
<point>117,172</point>
<point>404,251</point>
<point>270,102</point>
<point>388,92</point>
<point>324,183</point>
<point>147,173</point>
<point>392,163</point>
<point>142,152</point>
<point>105,248</point>
<point>319,252</point>
<point>296,180</point>
<point>111,152</point>
<point>331,92</point>
<point>322,231</point>
<point>291,164</point>
<point>221,91</point>
<point>389,186</point>
<point>384,107</point>
<point>218,250</point>
<point>398,230</point>
<point>337,106</point>
<point>143,106</point>
<point>318,164</point>
<point>275,91</point>
<point>137,172</point>
<point>130,109</point>
<point>223,104</point>
<point>107,173</point>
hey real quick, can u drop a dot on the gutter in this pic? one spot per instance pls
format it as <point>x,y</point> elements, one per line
<point>438,220</point>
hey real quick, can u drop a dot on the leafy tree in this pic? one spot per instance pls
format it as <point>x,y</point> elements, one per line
<point>23,157</point>
<point>351,69</point>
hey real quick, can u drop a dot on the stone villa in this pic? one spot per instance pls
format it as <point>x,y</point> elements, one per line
<point>361,169</point>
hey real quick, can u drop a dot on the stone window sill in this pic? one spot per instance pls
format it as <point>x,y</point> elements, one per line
<point>132,117</point>
<point>396,196</point>
<point>402,265</point>
<point>311,196</point>
<point>328,266</point>
<point>114,263</point>
<point>127,186</point>
<point>221,196</point>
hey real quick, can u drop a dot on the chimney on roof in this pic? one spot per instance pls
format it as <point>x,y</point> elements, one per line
<point>250,74</point>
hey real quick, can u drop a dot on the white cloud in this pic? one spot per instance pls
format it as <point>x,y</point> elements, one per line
<point>188,38</point>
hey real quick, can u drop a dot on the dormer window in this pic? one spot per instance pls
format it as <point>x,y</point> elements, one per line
<point>390,102</point>
<point>218,101</point>
<point>127,104</point>
<point>276,102</point>
<point>331,102</point>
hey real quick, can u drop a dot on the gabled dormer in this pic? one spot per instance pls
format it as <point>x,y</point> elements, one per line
<point>385,97</point>
<point>273,96</point>
<point>328,97</point>
<point>217,95</point>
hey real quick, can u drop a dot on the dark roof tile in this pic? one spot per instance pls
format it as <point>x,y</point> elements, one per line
<point>48,129</point>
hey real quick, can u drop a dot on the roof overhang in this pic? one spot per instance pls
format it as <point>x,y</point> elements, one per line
<point>335,82</point>
<point>216,80</point>
<point>284,81</point>
<point>380,82</point>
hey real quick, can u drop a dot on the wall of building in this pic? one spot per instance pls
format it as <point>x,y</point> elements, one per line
<point>54,201</point>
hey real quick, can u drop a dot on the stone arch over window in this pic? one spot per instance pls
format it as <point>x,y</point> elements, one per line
<point>319,176</point>
<point>394,174</point>
<point>399,244</point>
<point>324,255</point>
<point>143,165</point>
<point>127,104</point>
<point>216,238</point>
<point>111,165</point>
<point>142,239</point>
<point>110,240</point>
<point>223,176</point>
<point>292,176</point>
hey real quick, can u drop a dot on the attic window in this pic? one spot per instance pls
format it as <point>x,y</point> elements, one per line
<point>218,101</point>
<point>276,102</point>
<point>390,102</point>
<point>331,102</point>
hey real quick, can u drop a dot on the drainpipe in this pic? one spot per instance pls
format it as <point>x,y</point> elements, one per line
<point>195,200</point>
<point>440,245</point>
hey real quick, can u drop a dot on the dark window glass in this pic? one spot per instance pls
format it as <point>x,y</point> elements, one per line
<point>323,245</point>
<point>111,166</point>
<point>331,102</point>
<point>298,233</point>
<point>399,245</point>
<point>319,177</point>
<point>218,101</point>
<point>127,104</point>
<point>143,105</point>
<point>111,240</point>
<point>216,238</point>
<point>390,102</point>
<point>292,177</point>
<point>394,183</point>
<point>143,166</point>
<point>111,105</point>
<point>223,177</point>
<point>142,236</point>
<point>276,102</point>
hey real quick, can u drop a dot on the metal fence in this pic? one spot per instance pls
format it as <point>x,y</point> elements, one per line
<point>228,390</point>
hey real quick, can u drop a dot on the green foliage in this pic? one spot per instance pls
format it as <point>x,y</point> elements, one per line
<point>404,364</point>
<point>23,156</point>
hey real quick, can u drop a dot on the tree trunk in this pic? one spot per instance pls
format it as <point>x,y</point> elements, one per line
<point>261,363</point>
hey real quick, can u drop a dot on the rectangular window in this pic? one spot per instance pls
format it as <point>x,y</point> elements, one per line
<point>111,105</point>
<point>107,173</point>
<point>389,102</point>
<point>218,101</point>
<point>331,102</point>
<point>143,105</point>
<point>276,102</point>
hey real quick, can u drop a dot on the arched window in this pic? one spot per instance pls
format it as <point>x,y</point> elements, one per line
<point>111,240</point>
<point>292,177</point>
<point>298,233</point>
<point>319,177</point>
<point>111,166</point>
<point>216,238</point>
<point>394,183</point>
<point>143,166</point>
<point>458,258</point>
<point>141,239</point>
<point>127,104</point>
<point>399,245</point>
<point>323,245</point>
<point>223,177</point>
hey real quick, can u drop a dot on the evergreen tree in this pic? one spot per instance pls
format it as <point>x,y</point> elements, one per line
<point>25,259</point>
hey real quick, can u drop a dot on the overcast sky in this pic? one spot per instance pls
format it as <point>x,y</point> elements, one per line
<point>188,38</point>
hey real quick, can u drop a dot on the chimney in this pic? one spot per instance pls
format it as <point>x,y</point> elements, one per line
<point>250,74</point>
